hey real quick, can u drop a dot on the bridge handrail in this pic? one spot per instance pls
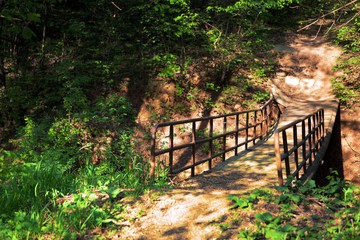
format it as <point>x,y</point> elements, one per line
<point>313,140</point>
<point>264,123</point>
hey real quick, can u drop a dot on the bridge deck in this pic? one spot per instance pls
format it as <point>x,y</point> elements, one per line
<point>256,167</point>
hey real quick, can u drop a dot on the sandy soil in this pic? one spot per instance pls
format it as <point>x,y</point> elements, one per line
<point>304,68</point>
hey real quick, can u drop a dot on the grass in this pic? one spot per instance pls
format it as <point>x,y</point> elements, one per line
<point>42,199</point>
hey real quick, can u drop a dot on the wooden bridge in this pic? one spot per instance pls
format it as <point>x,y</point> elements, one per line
<point>292,142</point>
<point>232,153</point>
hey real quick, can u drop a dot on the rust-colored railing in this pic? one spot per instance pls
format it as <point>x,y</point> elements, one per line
<point>188,136</point>
<point>303,147</point>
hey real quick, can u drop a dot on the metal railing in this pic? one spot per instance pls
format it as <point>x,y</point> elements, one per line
<point>310,140</point>
<point>188,136</point>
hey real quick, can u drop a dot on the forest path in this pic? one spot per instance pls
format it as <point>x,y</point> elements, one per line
<point>302,84</point>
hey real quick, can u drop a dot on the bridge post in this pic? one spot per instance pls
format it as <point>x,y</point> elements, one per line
<point>153,149</point>
<point>278,158</point>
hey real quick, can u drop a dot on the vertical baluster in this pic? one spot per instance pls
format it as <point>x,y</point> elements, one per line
<point>318,128</point>
<point>303,127</point>
<point>267,117</point>
<point>224,138</point>
<point>211,151</point>
<point>171,146</point>
<point>286,152</point>
<point>278,158</point>
<point>237,134</point>
<point>316,131</point>
<point>310,146</point>
<point>193,148</point>
<point>296,156</point>
<point>313,137</point>
<point>153,157</point>
<point>323,124</point>
<point>261,123</point>
<point>255,122</point>
<point>247,131</point>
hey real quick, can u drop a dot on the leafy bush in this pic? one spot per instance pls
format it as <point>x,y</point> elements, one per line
<point>347,86</point>
<point>62,156</point>
<point>333,212</point>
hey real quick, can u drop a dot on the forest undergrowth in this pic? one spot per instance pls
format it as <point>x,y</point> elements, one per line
<point>294,211</point>
<point>82,83</point>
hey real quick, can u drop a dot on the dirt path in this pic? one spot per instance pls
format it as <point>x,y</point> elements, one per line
<point>302,84</point>
<point>305,71</point>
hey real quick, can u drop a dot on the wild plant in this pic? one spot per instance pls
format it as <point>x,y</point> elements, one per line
<point>340,199</point>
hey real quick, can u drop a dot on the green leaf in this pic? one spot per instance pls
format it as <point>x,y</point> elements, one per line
<point>265,217</point>
<point>27,33</point>
<point>7,16</point>
<point>240,202</point>
<point>113,192</point>
<point>275,235</point>
<point>295,198</point>
<point>281,188</point>
<point>288,228</point>
<point>109,220</point>
<point>35,17</point>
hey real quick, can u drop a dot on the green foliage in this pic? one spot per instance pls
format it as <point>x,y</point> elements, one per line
<point>341,206</point>
<point>82,213</point>
<point>62,221</point>
<point>347,87</point>
<point>169,65</point>
<point>212,87</point>
<point>244,203</point>
<point>115,109</point>
<point>28,186</point>
<point>61,156</point>
<point>59,64</point>
<point>261,96</point>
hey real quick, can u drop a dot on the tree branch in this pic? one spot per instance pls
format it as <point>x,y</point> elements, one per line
<point>220,32</point>
<point>17,19</point>
<point>317,32</point>
<point>333,23</point>
<point>344,24</point>
<point>308,25</point>
<point>354,1</point>
<point>116,6</point>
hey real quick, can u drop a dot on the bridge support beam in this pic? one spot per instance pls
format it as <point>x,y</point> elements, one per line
<point>333,158</point>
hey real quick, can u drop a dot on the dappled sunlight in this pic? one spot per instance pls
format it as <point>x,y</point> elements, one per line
<point>293,81</point>
<point>255,167</point>
<point>302,86</point>
<point>306,70</point>
<point>180,213</point>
